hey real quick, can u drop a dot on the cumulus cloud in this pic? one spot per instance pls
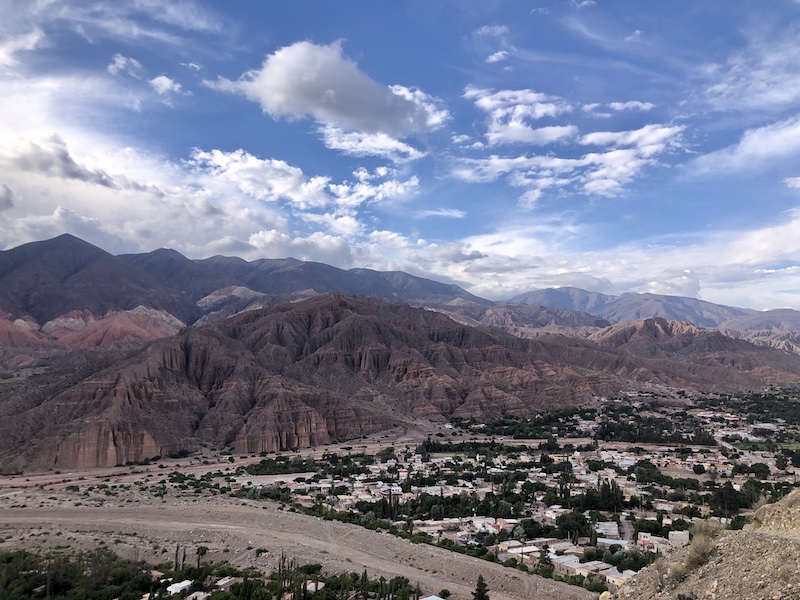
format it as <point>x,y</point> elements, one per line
<point>6,197</point>
<point>164,86</point>
<point>53,158</point>
<point>269,180</point>
<point>511,113</point>
<point>272,180</point>
<point>339,224</point>
<point>360,192</point>
<point>456,254</point>
<point>318,246</point>
<point>354,143</point>
<point>598,173</point>
<point>307,79</point>
<point>792,182</point>
<point>674,282</point>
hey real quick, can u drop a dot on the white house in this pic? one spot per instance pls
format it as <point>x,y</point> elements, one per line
<point>177,588</point>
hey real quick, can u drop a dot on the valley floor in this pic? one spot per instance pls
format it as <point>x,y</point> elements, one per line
<point>150,528</point>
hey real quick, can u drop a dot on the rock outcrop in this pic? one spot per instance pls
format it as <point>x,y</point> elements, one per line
<point>761,562</point>
<point>329,368</point>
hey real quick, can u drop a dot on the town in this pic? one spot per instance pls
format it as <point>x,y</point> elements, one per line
<point>586,496</point>
<point>596,499</point>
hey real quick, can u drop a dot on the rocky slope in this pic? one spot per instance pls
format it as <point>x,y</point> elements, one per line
<point>332,367</point>
<point>762,562</point>
<point>776,328</point>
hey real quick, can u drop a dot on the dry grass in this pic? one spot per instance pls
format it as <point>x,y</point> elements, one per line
<point>700,550</point>
<point>708,529</point>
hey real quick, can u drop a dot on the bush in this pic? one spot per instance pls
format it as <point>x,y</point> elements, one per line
<point>700,550</point>
<point>708,529</point>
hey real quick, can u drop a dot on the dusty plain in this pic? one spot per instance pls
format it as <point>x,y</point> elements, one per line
<point>43,511</point>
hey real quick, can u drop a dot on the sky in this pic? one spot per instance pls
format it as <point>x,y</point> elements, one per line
<point>615,146</point>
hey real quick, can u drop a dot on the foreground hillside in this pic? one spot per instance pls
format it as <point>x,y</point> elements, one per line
<point>761,562</point>
<point>335,367</point>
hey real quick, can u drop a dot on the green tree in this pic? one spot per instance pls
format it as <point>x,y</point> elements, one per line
<point>481,590</point>
<point>201,552</point>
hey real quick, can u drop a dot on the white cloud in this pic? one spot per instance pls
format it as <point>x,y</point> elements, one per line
<point>10,47</point>
<point>318,246</point>
<point>271,180</point>
<point>355,194</point>
<point>193,66</point>
<point>343,225</point>
<point>448,213</point>
<point>435,116</point>
<point>354,143</point>
<point>492,30</point>
<point>649,140</point>
<point>517,132</point>
<point>186,15</point>
<point>164,86</point>
<point>631,105</point>
<point>792,182</point>
<point>673,282</point>
<point>634,37</point>
<point>306,79</point>
<point>597,173</point>
<point>267,180</point>
<point>498,56</point>
<point>512,111</point>
<point>125,64</point>
<point>763,76</point>
<point>757,148</point>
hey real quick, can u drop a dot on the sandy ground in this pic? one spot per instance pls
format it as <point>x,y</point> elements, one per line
<point>44,511</point>
<point>148,528</point>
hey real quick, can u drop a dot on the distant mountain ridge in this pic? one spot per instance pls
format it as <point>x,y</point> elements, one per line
<point>106,360</point>
<point>56,287</point>
<point>633,306</point>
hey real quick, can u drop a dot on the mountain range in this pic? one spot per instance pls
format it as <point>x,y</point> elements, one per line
<point>107,360</point>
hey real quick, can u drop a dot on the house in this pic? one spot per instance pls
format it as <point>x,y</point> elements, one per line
<point>177,588</point>
<point>226,583</point>
<point>591,567</point>
<point>566,565</point>
<point>612,576</point>
<point>522,553</point>
<point>607,529</point>
<point>199,596</point>
<point>507,545</point>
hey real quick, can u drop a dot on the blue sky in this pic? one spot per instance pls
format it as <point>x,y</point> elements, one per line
<point>504,146</point>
